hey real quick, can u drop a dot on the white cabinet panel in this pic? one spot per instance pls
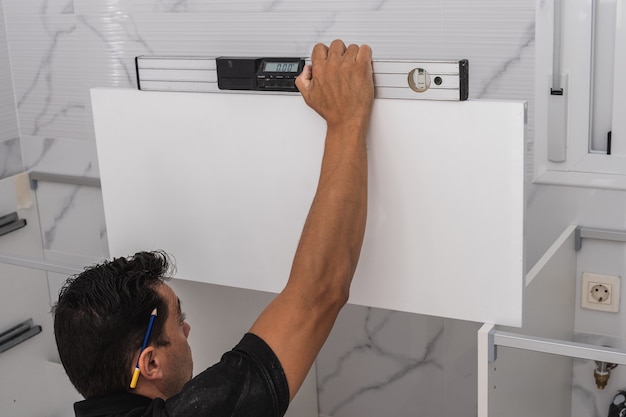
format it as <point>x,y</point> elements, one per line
<point>224,182</point>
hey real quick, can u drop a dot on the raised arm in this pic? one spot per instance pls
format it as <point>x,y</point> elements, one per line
<point>338,86</point>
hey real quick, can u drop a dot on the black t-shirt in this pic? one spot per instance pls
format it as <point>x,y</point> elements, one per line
<point>248,381</point>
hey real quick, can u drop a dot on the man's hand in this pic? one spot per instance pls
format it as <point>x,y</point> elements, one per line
<point>339,84</point>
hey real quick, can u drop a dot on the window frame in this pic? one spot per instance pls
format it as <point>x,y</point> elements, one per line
<point>581,167</point>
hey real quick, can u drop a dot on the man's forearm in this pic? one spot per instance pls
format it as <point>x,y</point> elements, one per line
<point>331,240</point>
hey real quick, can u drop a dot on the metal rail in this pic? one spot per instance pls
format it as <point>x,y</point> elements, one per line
<point>553,346</point>
<point>602,234</point>
<point>39,264</point>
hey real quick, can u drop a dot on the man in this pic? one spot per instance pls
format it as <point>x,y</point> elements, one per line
<point>121,315</point>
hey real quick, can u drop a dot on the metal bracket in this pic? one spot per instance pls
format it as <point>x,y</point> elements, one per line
<point>493,349</point>
<point>584,232</point>
<point>559,347</point>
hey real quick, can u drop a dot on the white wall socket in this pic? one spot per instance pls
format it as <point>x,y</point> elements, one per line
<point>600,292</point>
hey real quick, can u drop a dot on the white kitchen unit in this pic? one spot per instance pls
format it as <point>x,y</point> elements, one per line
<point>529,370</point>
<point>223,181</point>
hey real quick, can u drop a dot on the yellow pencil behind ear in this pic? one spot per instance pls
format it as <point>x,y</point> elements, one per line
<point>133,382</point>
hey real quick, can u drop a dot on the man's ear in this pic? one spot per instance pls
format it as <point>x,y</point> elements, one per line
<point>150,364</point>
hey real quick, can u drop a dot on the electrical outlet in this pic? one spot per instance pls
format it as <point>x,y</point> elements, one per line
<point>600,292</point>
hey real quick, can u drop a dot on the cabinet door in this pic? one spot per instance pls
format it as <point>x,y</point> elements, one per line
<point>31,367</point>
<point>224,182</point>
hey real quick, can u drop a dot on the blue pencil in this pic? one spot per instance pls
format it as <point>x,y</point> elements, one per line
<point>133,382</point>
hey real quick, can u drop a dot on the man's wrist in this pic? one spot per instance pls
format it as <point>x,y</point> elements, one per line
<point>346,128</point>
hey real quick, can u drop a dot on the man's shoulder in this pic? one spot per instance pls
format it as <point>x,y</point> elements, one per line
<point>247,378</point>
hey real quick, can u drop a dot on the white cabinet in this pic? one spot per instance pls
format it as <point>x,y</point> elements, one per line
<point>224,182</point>
<point>528,370</point>
<point>32,366</point>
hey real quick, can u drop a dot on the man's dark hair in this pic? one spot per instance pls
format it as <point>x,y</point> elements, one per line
<point>101,318</point>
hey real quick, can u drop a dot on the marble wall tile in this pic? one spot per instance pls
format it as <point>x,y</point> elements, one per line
<point>173,6</point>
<point>460,352</point>
<point>20,7</point>
<point>10,156</point>
<point>200,6</point>
<point>128,35</point>
<point>72,219</point>
<point>8,115</point>
<point>330,5</point>
<point>47,58</point>
<point>501,37</point>
<point>60,156</point>
<point>396,34</point>
<point>378,362</point>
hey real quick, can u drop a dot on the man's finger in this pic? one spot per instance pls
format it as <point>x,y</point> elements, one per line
<point>303,81</point>
<point>337,48</point>
<point>364,53</point>
<point>320,52</point>
<point>351,52</point>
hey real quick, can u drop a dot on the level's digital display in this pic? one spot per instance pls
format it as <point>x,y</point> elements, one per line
<point>281,66</point>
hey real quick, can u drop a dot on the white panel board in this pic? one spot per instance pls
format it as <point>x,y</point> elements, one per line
<point>224,183</point>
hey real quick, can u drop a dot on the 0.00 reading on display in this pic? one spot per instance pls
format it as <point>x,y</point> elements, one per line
<point>281,67</point>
